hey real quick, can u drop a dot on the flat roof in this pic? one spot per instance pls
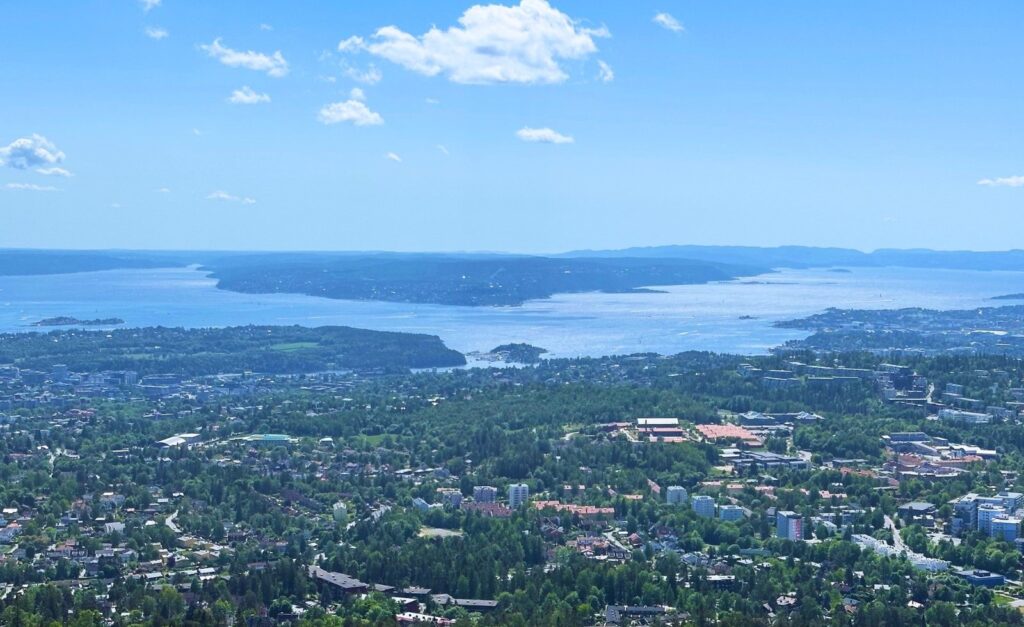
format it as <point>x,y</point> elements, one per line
<point>657,422</point>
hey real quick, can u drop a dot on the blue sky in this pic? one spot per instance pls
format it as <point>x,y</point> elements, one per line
<point>537,127</point>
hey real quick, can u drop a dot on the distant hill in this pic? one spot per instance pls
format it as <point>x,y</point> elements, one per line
<point>813,257</point>
<point>489,279</point>
<point>197,352</point>
<point>461,280</point>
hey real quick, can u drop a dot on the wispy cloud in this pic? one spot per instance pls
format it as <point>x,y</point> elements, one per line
<point>543,135</point>
<point>273,64</point>
<point>157,33</point>
<point>370,76</point>
<point>392,156</point>
<point>1003,181</point>
<point>443,149</point>
<point>668,22</point>
<point>30,152</point>
<point>31,187</point>
<point>226,197</point>
<point>492,43</point>
<point>353,110</point>
<point>148,5</point>
<point>247,95</point>
<point>605,72</point>
<point>54,172</point>
<point>163,190</point>
<point>266,27</point>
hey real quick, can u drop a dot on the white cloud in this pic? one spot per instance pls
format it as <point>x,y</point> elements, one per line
<point>266,27</point>
<point>370,76</point>
<point>357,94</point>
<point>392,156</point>
<point>443,149</point>
<point>605,72</point>
<point>246,95</point>
<point>196,132</point>
<point>155,32</point>
<point>163,190</point>
<point>543,135</point>
<point>352,110</point>
<point>54,172</point>
<point>491,44</point>
<point>274,65</point>
<point>149,4</point>
<point>226,197</point>
<point>31,187</point>
<point>433,101</point>
<point>352,44</point>
<point>668,22</point>
<point>1003,181</point>
<point>30,152</point>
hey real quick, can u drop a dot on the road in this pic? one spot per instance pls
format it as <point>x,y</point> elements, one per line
<point>897,540</point>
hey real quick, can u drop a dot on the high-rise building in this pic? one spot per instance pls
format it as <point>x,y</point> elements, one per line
<point>485,494</point>
<point>518,493</point>
<point>730,512</point>
<point>986,514</point>
<point>972,511</point>
<point>704,506</point>
<point>965,513</point>
<point>789,525</point>
<point>676,495</point>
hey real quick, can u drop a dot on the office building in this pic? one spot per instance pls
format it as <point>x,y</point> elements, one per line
<point>1007,529</point>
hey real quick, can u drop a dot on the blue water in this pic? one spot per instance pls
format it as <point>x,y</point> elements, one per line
<point>689,317</point>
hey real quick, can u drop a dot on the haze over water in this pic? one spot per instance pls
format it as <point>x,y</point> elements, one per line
<point>689,317</point>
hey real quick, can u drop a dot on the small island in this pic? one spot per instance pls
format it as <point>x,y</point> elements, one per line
<point>69,321</point>
<point>518,353</point>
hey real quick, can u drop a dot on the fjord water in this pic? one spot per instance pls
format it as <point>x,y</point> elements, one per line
<point>733,316</point>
